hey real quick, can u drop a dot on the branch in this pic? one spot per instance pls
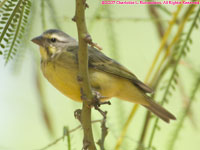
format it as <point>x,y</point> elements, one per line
<point>83,76</point>
<point>104,133</point>
<point>88,39</point>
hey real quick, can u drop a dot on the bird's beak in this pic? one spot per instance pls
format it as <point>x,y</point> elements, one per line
<point>38,40</point>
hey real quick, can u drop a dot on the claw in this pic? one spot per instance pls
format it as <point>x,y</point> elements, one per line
<point>97,103</point>
<point>98,95</point>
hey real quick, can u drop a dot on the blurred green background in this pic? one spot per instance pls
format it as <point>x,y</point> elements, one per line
<point>132,39</point>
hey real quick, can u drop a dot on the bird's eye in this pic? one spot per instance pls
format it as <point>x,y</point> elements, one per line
<point>53,40</point>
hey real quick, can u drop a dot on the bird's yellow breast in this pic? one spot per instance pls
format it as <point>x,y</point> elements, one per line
<point>65,80</point>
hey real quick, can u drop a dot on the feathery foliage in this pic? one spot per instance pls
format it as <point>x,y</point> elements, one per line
<point>181,51</point>
<point>184,114</point>
<point>13,21</point>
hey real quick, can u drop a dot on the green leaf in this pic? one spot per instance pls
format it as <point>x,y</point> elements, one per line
<point>187,48</point>
<point>2,22</point>
<point>5,39</point>
<point>14,52</point>
<point>27,12</point>
<point>2,45</point>
<point>1,52</point>
<point>7,9</point>
<point>25,20</point>
<point>15,20</point>
<point>22,29</point>
<point>13,25</point>
<point>28,5</point>
<point>6,14</point>
<point>24,2</point>
<point>5,5</point>
<point>25,17</point>
<point>10,30</point>
<point>17,16</point>
<point>4,18</point>
<point>184,53</point>
<point>11,5</point>
<point>18,41</point>
<point>158,127</point>
<point>8,34</point>
<point>173,87</point>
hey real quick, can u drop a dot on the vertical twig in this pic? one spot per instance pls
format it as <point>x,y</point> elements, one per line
<point>43,15</point>
<point>53,13</point>
<point>104,132</point>
<point>156,17</point>
<point>83,36</point>
<point>184,115</point>
<point>66,133</point>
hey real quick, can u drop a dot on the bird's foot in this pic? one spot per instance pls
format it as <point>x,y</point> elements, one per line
<point>98,96</point>
<point>97,103</point>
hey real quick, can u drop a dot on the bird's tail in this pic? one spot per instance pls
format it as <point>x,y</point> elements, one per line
<point>159,111</point>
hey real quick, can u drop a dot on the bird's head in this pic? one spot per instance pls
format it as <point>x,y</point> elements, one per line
<point>52,41</point>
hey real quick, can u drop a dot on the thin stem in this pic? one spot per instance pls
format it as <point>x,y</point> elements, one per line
<point>184,115</point>
<point>53,13</point>
<point>43,15</point>
<point>173,74</point>
<point>66,129</point>
<point>87,97</point>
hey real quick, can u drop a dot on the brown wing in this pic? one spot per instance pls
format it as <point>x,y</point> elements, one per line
<point>101,62</point>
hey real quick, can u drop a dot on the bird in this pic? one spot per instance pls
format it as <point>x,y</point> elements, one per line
<point>59,65</point>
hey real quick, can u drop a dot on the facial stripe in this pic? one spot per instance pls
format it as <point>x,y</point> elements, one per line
<point>58,38</point>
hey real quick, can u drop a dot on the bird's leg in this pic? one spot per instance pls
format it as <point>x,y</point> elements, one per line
<point>97,103</point>
<point>98,95</point>
<point>97,99</point>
